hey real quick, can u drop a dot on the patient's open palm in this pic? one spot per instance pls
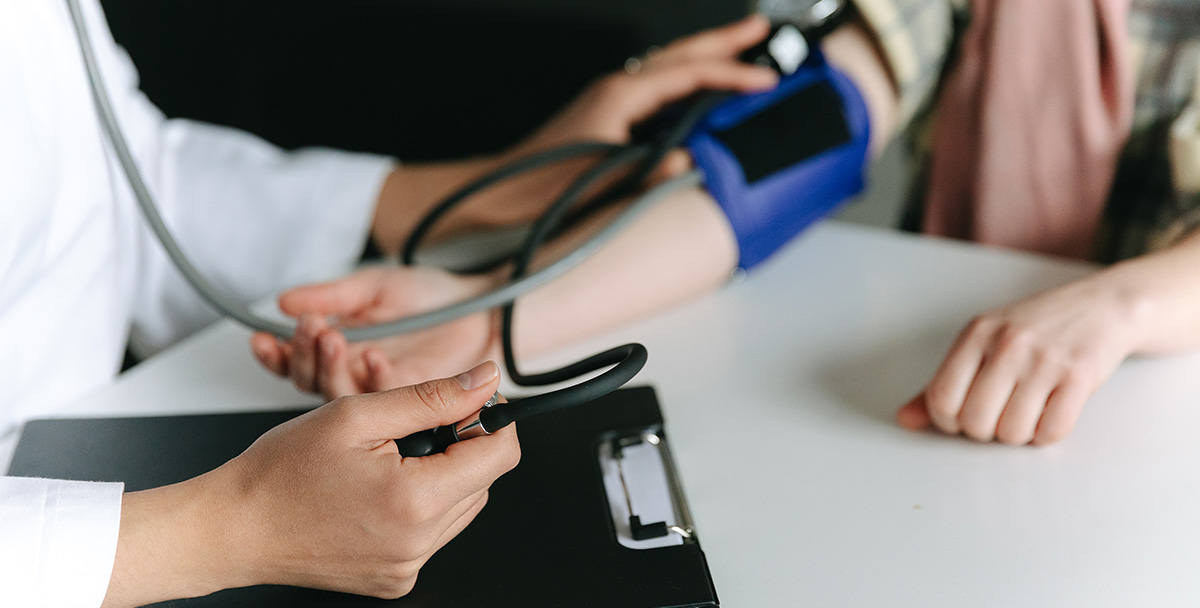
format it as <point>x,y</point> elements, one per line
<point>318,358</point>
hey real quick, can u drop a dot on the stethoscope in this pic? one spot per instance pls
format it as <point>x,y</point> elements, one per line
<point>638,159</point>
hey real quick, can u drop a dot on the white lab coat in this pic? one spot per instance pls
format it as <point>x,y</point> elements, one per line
<point>80,273</point>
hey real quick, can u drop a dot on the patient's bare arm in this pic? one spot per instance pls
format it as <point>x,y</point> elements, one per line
<point>681,248</point>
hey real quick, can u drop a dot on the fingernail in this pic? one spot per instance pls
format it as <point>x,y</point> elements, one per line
<point>478,376</point>
<point>327,348</point>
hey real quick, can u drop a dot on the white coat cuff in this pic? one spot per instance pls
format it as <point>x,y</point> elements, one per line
<point>60,540</point>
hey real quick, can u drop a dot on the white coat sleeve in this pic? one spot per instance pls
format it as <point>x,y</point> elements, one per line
<point>58,540</point>
<point>253,218</point>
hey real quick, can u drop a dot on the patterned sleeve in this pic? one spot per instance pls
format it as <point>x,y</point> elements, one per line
<point>1165,36</point>
<point>915,37</point>
<point>1184,155</point>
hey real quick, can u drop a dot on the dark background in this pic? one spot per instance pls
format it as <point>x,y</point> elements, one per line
<point>417,79</point>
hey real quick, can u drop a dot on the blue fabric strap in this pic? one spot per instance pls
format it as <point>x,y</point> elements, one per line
<point>779,160</point>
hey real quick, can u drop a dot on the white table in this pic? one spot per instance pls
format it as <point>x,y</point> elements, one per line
<point>779,394</point>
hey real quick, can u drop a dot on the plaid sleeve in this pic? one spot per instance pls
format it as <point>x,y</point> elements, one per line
<point>1183,151</point>
<point>915,37</point>
<point>1159,192</point>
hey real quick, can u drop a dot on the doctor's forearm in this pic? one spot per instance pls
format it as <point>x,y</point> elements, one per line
<point>176,541</point>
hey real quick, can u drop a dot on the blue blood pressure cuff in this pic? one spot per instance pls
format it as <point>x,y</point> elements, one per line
<point>779,160</point>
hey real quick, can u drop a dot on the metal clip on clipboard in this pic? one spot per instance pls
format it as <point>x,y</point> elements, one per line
<point>645,496</point>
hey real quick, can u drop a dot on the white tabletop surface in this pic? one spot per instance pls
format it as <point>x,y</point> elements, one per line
<point>779,393</point>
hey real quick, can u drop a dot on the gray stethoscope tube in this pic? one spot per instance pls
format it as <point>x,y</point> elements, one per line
<point>241,313</point>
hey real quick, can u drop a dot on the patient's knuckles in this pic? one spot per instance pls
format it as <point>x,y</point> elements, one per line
<point>940,403</point>
<point>980,329</point>
<point>1081,373</point>
<point>1014,340</point>
<point>1051,434</point>
<point>1009,435</point>
<point>978,429</point>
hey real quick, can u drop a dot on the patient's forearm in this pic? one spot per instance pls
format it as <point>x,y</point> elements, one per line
<point>679,249</point>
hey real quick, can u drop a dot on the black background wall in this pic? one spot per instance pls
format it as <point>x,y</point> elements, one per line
<point>418,79</point>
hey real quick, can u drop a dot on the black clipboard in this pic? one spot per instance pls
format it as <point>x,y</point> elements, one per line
<point>548,536</point>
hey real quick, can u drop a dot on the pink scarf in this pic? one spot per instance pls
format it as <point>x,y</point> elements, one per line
<point>1031,121</point>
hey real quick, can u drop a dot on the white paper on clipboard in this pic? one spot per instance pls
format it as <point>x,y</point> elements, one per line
<point>646,487</point>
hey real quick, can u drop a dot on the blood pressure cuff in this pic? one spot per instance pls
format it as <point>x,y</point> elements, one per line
<point>779,160</point>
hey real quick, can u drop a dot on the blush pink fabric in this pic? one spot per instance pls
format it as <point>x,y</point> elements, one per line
<point>1030,123</point>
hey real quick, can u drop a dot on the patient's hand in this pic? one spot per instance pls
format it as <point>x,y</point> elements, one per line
<point>1022,373</point>
<point>318,358</point>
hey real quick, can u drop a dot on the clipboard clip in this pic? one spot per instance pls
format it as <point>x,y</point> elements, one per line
<point>645,498</point>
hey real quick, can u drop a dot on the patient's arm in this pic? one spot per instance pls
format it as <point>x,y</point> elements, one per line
<point>679,249</point>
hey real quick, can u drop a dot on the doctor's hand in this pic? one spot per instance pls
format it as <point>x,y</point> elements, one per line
<point>1022,373</point>
<point>322,501</point>
<point>318,358</point>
